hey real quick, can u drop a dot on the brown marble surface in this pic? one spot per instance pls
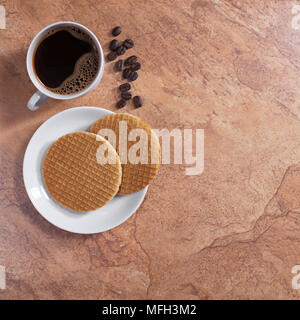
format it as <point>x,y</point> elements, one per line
<point>230,67</point>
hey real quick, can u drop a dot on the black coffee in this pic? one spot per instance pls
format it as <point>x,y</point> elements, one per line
<point>66,60</point>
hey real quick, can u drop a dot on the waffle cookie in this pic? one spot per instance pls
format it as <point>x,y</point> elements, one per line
<point>74,177</point>
<point>135,176</point>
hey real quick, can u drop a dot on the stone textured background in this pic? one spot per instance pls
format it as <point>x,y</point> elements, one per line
<point>230,67</point>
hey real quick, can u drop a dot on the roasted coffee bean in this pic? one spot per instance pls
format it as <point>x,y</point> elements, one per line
<point>128,43</point>
<point>135,66</point>
<point>126,73</point>
<point>121,50</point>
<point>126,95</point>
<point>119,66</point>
<point>138,101</point>
<point>114,44</point>
<point>125,87</point>
<point>130,60</point>
<point>133,76</point>
<point>121,103</point>
<point>116,31</point>
<point>112,56</point>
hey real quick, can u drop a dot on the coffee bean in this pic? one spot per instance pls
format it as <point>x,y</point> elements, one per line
<point>119,66</point>
<point>121,103</point>
<point>128,43</point>
<point>112,56</point>
<point>130,60</point>
<point>133,76</point>
<point>114,44</point>
<point>126,73</point>
<point>135,66</point>
<point>126,95</point>
<point>116,31</point>
<point>121,50</point>
<point>138,101</point>
<point>125,87</point>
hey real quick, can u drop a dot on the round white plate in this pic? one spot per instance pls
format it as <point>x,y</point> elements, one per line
<point>116,211</point>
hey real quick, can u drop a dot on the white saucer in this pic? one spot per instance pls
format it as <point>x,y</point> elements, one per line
<point>111,215</point>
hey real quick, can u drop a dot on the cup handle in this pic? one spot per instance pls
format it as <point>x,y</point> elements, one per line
<point>36,101</point>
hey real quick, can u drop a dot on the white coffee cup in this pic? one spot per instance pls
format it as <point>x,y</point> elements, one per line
<point>43,93</point>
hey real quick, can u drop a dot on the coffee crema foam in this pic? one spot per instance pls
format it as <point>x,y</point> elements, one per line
<point>85,69</point>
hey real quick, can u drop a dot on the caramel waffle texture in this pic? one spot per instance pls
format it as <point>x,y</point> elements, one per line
<point>74,177</point>
<point>135,176</point>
